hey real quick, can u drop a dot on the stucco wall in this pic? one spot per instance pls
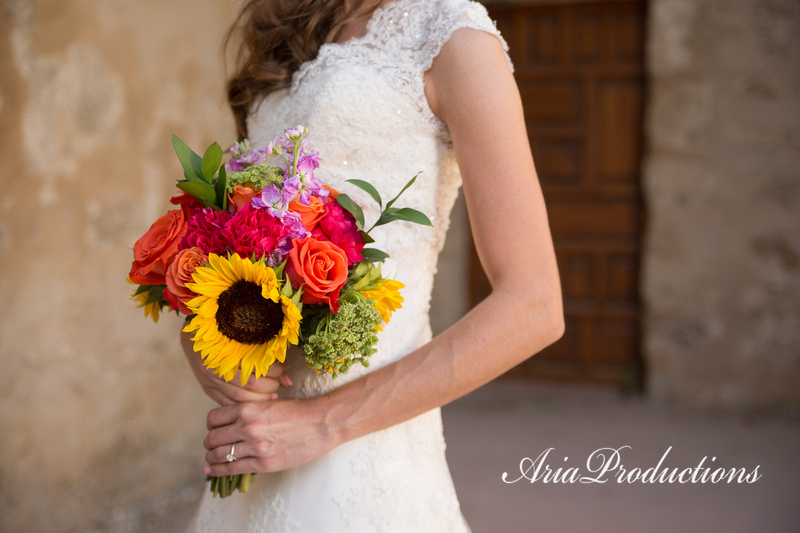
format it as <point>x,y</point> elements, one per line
<point>721,263</point>
<point>101,426</point>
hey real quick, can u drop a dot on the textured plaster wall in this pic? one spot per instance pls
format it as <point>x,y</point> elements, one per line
<point>721,264</point>
<point>101,423</point>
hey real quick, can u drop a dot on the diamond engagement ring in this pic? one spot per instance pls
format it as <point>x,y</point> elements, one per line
<point>230,457</point>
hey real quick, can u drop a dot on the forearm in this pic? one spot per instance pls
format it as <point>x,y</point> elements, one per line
<point>495,336</point>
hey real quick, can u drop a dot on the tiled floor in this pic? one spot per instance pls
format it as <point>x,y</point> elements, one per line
<point>492,430</point>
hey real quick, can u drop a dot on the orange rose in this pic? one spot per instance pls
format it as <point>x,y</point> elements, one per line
<point>333,192</point>
<point>242,194</point>
<point>155,250</point>
<point>179,274</point>
<point>309,214</point>
<point>320,267</point>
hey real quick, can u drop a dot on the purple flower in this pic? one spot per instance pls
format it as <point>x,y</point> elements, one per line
<point>292,187</point>
<point>243,157</point>
<point>271,199</point>
<point>297,230</point>
<point>295,134</point>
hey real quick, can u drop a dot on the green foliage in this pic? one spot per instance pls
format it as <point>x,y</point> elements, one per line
<point>191,162</point>
<point>404,213</point>
<point>211,161</point>
<point>347,203</point>
<point>200,174</point>
<point>259,176</point>
<point>369,188</point>
<point>336,342</point>
<point>221,189</point>
<point>373,255</point>
<point>200,190</point>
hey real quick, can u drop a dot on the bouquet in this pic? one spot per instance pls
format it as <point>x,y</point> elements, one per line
<point>260,254</point>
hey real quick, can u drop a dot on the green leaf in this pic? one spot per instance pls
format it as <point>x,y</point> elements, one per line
<point>409,184</point>
<point>405,213</point>
<point>191,162</point>
<point>365,237</point>
<point>296,299</point>
<point>222,184</point>
<point>141,289</point>
<point>373,255</point>
<point>279,271</point>
<point>154,297</point>
<point>353,208</point>
<point>367,187</point>
<point>211,160</point>
<point>200,190</point>
<point>193,177</point>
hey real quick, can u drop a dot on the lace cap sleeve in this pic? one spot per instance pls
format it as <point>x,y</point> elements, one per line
<point>453,15</point>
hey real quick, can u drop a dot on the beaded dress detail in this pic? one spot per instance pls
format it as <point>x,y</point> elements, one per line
<point>364,105</point>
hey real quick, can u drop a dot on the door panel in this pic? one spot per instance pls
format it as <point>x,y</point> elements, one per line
<point>581,77</point>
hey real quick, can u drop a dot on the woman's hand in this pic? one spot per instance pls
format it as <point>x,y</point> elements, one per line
<point>268,436</point>
<point>226,393</point>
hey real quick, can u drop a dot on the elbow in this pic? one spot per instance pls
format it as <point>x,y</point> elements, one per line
<point>557,326</point>
<point>551,316</point>
<point>541,317</point>
<point>550,312</point>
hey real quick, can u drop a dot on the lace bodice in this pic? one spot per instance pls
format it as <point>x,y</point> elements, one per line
<point>364,105</point>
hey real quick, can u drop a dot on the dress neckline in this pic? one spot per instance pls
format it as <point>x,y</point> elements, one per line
<point>373,21</point>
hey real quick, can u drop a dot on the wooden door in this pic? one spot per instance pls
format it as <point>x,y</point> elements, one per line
<point>580,72</point>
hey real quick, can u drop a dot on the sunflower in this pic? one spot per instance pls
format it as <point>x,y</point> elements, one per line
<point>244,316</point>
<point>150,297</point>
<point>151,309</point>
<point>386,296</point>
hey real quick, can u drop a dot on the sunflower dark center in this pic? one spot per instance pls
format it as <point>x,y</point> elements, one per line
<point>247,317</point>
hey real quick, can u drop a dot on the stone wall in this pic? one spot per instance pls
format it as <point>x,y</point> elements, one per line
<point>102,424</point>
<point>721,262</point>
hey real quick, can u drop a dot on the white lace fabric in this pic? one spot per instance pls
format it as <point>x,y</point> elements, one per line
<point>364,105</point>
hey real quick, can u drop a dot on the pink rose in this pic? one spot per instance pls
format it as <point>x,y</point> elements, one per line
<point>179,274</point>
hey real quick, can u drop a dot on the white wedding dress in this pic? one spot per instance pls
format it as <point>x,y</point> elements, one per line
<point>364,105</point>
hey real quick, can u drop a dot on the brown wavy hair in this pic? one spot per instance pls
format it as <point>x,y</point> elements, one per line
<point>273,38</point>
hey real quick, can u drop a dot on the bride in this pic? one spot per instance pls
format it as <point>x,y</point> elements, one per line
<point>386,89</point>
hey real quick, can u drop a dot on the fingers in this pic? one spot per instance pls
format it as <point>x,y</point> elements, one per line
<point>224,416</point>
<point>240,466</point>
<point>285,381</point>
<point>275,370</point>
<point>242,450</point>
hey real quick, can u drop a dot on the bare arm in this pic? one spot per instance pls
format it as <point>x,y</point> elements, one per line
<point>471,88</point>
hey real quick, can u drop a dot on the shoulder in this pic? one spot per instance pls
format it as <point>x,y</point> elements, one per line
<point>431,23</point>
<point>470,70</point>
<point>445,15</point>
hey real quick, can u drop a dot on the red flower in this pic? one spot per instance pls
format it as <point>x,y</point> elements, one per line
<point>205,231</point>
<point>187,203</point>
<point>155,250</point>
<point>254,232</point>
<point>339,227</point>
<point>321,268</point>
